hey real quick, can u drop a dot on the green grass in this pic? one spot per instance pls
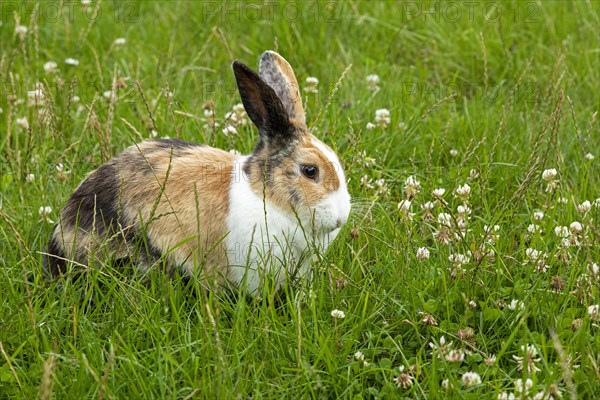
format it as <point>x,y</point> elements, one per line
<point>525,85</point>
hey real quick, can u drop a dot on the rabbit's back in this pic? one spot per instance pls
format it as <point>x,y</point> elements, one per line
<point>159,197</point>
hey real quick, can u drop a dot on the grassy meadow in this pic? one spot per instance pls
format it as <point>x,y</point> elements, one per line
<point>468,269</point>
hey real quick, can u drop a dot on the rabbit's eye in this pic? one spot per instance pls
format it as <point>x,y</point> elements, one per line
<point>310,171</point>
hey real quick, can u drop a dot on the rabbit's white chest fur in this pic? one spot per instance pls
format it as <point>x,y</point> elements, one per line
<point>264,241</point>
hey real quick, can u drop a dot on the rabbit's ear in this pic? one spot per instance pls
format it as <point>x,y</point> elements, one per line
<point>262,105</point>
<point>278,74</point>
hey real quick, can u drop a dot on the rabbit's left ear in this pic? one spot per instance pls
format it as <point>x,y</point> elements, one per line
<point>278,74</point>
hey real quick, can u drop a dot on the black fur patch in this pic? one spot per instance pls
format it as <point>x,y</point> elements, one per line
<point>95,201</point>
<point>145,249</point>
<point>263,106</point>
<point>295,197</point>
<point>153,251</point>
<point>274,159</point>
<point>56,266</point>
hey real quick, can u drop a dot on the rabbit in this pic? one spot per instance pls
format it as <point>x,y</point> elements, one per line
<point>235,220</point>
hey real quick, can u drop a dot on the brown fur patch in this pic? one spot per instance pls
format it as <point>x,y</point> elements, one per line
<point>182,205</point>
<point>173,193</point>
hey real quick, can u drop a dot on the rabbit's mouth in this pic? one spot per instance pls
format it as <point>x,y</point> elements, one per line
<point>324,221</point>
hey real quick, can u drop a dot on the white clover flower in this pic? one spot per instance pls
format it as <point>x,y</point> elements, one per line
<point>382,113</point>
<point>237,116</point>
<point>444,219</point>
<point>471,379</point>
<point>382,117</point>
<point>594,312</point>
<point>404,205</point>
<point>459,259</point>
<point>44,212</point>
<point>86,2</point>
<point>120,41</point>
<point>594,269</point>
<point>36,94</point>
<point>239,108</point>
<point>60,168</point>
<point>446,384</point>
<point>561,231</point>
<point>562,200</point>
<point>370,126</point>
<point>404,380</point>
<point>382,188</point>
<point>359,356</point>
<point>528,360</point>
<point>516,304</point>
<point>21,31</point>
<point>373,82</point>
<point>597,202</point>
<point>338,314</point>
<point>35,97</point>
<point>428,206</point>
<point>534,228</point>
<point>311,85</point>
<point>549,174</point>
<point>22,123</point>
<point>411,187</point>
<point>584,207</point>
<point>71,61</point>
<point>463,210</point>
<point>589,156</point>
<point>440,349</point>
<point>30,178</point>
<point>109,95</point>
<point>75,99</point>
<point>422,253</point>
<point>229,130</point>
<point>438,192</point>
<point>464,191</point>
<point>373,79</point>
<point>566,242</point>
<point>366,182</point>
<point>506,396</point>
<point>532,254</point>
<point>538,215</point>
<point>453,152</point>
<point>455,356</point>
<point>50,66</point>
<point>473,173</point>
<point>576,227</point>
<point>523,387</point>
